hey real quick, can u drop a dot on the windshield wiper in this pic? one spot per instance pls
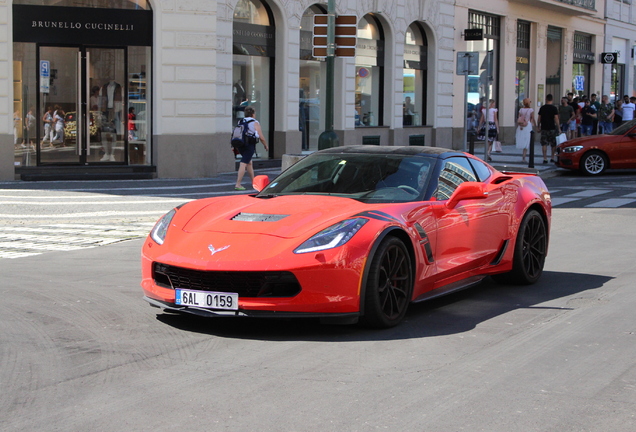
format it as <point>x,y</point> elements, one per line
<point>267,196</point>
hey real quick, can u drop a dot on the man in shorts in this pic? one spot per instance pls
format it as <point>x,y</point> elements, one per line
<point>548,122</point>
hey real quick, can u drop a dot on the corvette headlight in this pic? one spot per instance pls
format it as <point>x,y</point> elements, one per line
<point>572,149</point>
<point>158,233</point>
<point>334,236</point>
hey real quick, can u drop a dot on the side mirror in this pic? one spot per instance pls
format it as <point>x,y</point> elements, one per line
<point>260,182</point>
<point>465,191</point>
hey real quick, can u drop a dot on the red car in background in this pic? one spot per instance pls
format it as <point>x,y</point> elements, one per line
<point>592,155</point>
<point>350,233</point>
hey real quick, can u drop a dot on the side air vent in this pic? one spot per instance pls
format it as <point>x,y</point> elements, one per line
<point>501,179</point>
<point>258,217</point>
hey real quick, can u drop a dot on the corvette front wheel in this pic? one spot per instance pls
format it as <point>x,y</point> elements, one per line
<point>530,250</point>
<point>389,285</point>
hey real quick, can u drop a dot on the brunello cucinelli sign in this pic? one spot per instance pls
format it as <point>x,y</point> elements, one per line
<point>89,26</point>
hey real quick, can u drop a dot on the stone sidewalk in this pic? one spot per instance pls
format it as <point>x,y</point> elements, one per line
<point>511,157</point>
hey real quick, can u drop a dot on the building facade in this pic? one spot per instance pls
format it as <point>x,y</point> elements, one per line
<point>539,47</point>
<point>620,38</point>
<point>155,86</point>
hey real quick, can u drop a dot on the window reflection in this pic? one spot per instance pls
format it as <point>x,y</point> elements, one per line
<point>369,72</point>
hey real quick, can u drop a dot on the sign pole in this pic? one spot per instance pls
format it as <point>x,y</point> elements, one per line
<point>465,109</point>
<point>489,60</point>
<point>328,138</point>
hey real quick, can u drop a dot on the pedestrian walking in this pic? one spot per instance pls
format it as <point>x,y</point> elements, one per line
<point>249,148</point>
<point>525,125</point>
<point>493,126</point>
<point>548,121</point>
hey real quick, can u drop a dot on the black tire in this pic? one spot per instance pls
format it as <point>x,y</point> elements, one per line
<point>389,285</point>
<point>530,250</point>
<point>593,163</point>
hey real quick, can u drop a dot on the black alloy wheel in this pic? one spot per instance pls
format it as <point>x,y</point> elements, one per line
<point>389,285</point>
<point>530,250</point>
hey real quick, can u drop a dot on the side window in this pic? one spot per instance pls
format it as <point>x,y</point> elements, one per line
<point>483,172</point>
<point>455,171</point>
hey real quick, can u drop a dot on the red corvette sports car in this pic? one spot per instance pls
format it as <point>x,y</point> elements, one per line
<point>350,233</point>
<point>592,155</point>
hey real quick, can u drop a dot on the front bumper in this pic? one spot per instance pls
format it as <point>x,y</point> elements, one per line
<point>344,318</point>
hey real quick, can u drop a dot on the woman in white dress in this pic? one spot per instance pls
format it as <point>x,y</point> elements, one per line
<point>525,125</point>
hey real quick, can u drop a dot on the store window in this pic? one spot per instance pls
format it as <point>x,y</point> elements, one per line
<point>81,88</point>
<point>487,86</point>
<point>311,107</point>
<point>369,72</point>
<point>553,62</point>
<point>414,76</point>
<point>583,60</point>
<point>253,62</point>
<point>522,80</point>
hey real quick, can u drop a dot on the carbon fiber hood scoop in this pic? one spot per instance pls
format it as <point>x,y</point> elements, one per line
<point>258,217</point>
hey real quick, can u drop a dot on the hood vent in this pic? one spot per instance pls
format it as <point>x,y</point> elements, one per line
<point>258,217</point>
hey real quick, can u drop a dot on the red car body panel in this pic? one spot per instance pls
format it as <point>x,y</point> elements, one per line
<point>448,245</point>
<point>620,150</point>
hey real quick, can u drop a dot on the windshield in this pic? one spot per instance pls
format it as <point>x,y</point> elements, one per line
<point>364,177</point>
<point>624,128</point>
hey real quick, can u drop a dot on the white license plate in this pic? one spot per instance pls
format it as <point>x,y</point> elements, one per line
<point>207,299</point>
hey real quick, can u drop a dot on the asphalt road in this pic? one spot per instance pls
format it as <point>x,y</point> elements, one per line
<point>81,351</point>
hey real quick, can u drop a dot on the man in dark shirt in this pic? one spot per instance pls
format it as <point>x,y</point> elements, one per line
<point>594,103</point>
<point>548,122</point>
<point>588,117</point>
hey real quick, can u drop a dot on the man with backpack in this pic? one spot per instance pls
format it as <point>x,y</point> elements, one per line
<point>244,140</point>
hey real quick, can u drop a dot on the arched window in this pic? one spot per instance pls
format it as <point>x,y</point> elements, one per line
<point>415,76</point>
<point>369,72</point>
<point>311,107</point>
<point>253,60</point>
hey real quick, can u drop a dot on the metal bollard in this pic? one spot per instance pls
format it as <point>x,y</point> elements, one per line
<point>531,155</point>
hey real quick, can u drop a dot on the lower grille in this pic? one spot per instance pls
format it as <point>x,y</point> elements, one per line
<point>245,283</point>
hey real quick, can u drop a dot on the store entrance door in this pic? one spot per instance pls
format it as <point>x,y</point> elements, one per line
<point>82,105</point>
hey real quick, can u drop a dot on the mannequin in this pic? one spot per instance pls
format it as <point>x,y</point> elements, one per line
<point>113,96</point>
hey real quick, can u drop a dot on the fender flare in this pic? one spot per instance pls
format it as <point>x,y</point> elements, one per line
<point>372,252</point>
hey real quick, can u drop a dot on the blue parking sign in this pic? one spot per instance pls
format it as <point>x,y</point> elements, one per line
<point>45,68</point>
<point>579,82</point>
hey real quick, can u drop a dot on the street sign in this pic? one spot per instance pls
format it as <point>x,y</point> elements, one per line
<point>346,31</point>
<point>579,82</point>
<point>475,34</point>
<point>609,58</point>
<point>467,63</point>
<point>45,68</point>
<point>45,75</point>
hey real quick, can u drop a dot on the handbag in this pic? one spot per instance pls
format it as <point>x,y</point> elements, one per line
<point>496,146</point>
<point>561,138</point>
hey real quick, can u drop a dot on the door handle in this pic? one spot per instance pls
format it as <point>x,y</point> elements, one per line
<point>87,102</point>
<point>78,104</point>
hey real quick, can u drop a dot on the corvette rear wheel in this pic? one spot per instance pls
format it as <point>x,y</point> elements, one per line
<point>530,251</point>
<point>593,163</point>
<point>389,285</point>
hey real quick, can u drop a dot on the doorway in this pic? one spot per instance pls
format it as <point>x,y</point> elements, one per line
<point>82,105</point>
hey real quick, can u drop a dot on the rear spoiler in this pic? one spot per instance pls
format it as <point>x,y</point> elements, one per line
<point>516,170</point>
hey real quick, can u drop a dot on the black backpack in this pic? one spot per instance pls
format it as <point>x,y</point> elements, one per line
<point>242,135</point>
